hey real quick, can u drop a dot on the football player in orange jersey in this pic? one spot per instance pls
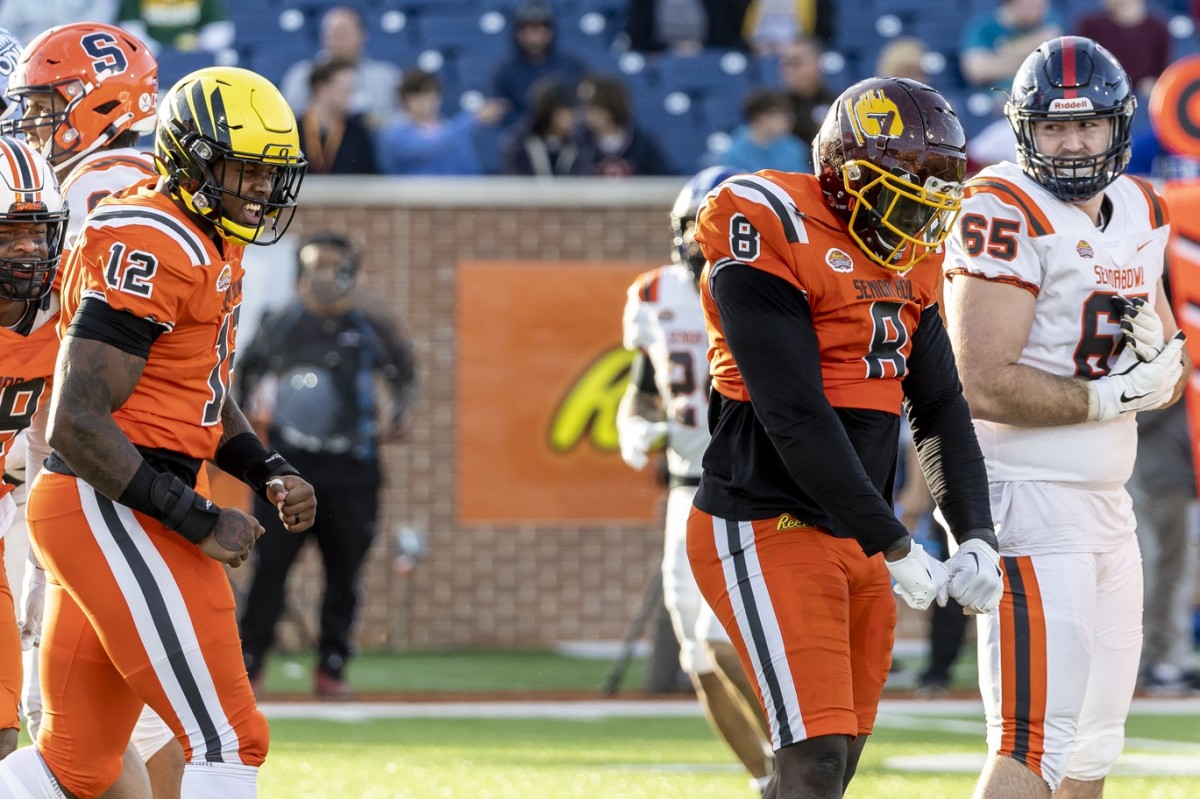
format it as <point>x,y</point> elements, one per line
<point>142,612</point>
<point>81,95</point>
<point>33,222</point>
<point>821,303</point>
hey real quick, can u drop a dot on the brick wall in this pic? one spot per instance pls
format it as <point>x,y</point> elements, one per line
<point>479,586</point>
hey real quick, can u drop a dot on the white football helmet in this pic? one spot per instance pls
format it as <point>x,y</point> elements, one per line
<point>29,194</point>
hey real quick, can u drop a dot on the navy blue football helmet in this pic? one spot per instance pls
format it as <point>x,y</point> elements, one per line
<point>687,206</point>
<point>1068,79</point>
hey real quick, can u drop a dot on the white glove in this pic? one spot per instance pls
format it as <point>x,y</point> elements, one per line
<point>919,578</point>
<point>637,436</point>
<point>1142,329</point>
<point>1138,387</point>
<point>33,598</point>
<point>975,579</point>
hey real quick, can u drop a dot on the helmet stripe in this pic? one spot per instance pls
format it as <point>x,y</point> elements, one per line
<point>203,114</point>
<point>22,170</point>
<point>1070,79</point>
<point>220,121</point>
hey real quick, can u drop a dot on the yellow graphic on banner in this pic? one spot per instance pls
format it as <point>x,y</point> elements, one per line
<point>589,408</point>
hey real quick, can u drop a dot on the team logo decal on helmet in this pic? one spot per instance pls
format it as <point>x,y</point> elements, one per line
<point>222,123</point>
<point>891,157</point>
<point>29,194</point>
<point>872,114</point>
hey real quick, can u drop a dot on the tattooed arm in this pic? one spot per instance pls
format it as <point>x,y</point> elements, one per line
<point>93,379</point>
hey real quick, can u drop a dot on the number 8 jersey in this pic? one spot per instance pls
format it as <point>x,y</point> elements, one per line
<point>1012,230</point>
<point>139,252</point>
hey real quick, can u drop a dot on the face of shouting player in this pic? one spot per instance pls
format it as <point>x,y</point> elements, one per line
<point>247,186</point>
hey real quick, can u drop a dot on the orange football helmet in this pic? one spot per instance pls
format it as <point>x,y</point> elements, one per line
<point>103,82</point>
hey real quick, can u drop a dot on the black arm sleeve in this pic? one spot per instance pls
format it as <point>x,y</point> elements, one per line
<point>768,326</point>
<point>98,321</point>
<point>641,374</point>
<point>943,434</point>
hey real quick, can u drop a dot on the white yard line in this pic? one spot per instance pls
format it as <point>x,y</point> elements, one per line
<point>622,708</point>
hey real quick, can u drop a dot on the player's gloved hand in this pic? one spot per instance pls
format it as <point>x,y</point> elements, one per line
<point>975,579</point>
<point>1141,327</point>
<point>33,598</point>
<point>920,579</point>
<point>1136,385</point>
<point>637,436</point>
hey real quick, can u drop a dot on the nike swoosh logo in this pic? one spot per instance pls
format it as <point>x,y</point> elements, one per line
<point>1127,398</point>
<point>1143,244</point>
<point>972,554</point>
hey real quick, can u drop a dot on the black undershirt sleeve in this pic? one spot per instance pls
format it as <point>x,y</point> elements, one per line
<point>768,326</point>
<point>98,321</point>
<point>641,373</point>
<point>943,433</point>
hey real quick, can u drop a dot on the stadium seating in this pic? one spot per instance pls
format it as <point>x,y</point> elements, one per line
<point>680,99</point>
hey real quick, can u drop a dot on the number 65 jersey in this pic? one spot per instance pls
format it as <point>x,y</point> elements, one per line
<point>1014,231</point>
<point>138,252</point>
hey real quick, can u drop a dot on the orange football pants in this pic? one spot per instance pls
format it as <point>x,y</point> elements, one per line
<point>134,615</point>
<point>10,655</point>
<point>812,618</point>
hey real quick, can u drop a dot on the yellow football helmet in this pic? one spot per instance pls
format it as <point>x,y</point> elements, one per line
<point>222,118</point>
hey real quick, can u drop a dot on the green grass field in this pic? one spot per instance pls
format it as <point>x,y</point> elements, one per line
<point>590,757</point>
<point>621,758</point>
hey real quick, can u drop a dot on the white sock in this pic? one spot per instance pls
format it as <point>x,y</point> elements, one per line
<point>204,780</point>
<point>24,775</point>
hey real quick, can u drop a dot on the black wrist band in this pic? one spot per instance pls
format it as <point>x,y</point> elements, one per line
<point>163,496</point>
<point>985,534</point>
<point>898,544</point>
<point>245,457</point>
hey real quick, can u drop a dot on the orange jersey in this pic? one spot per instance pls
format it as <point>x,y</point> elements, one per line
<point>864,314</point>
<point>26,369</point>
<point>139,252</point>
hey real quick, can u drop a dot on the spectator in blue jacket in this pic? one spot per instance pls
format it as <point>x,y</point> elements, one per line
<point>534,57</point>
<point>766,140</point>
<point>425,142</point>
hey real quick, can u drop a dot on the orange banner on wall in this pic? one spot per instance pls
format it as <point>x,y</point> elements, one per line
<point>540,372</point>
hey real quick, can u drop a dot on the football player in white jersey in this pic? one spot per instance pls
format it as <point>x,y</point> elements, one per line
<point>1062,334</point>
<point>667,402</point>
<point>82,94</point>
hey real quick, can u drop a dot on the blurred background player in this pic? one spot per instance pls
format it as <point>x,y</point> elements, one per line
<point>667,399</point>
<point>821,303</point>
<point>82,94</point>
<point>33,220</point>
<point>326,383</point>
<point>154,624</point>
<point>1063,334</point>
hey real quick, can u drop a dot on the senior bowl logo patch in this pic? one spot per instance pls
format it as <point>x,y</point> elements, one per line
<point>1084,249</point>
<point>225,278</point>
<point>839,261</point>
<point>873,114</point>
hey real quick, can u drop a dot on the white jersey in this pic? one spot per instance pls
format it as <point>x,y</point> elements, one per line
<point>97,175</point>
<point>664,320</point>
<point>1013,230</point>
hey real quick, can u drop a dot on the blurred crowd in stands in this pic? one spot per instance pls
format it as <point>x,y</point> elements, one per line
<point>613,87</point>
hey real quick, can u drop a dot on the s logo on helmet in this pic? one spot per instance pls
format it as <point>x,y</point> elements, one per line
<point>872,114</point>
